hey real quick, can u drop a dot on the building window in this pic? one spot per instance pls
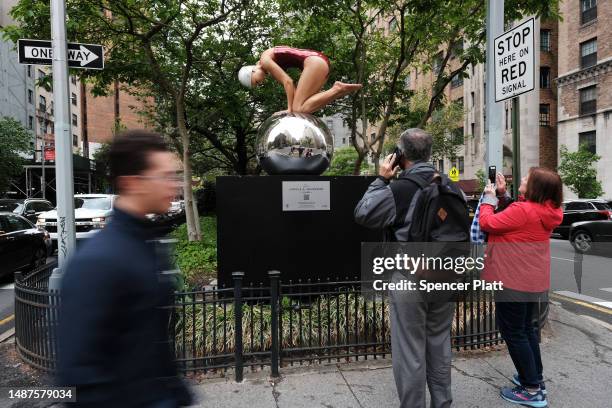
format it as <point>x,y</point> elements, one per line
<point>372,136</point>
<point>545,40</point>
<point>588,53</point>
<point>458,137</point>
<point>42,103</point>
<point>457,49</point>
<point>29,71</point>
<point>73,79</point>
<point>407,81</point>
<point>75,120</point>
<point>473,129</point>
<point>588,100</point>
<point>588,10</point>
<point>456,80</point>
<point>392,25</point>
<point>473,98</point>
<point>588,138</point>
<point>41,74</point>
<point>344,140</point>
<point>460,164</point>
<point>459,101</point>
<point>30,122</point>
<point>437,65</point>
<point>544,114</point>
<point>544,77</point>
<point>75,140</point>
<point>30,96</point>
<point>73,98</point>
<point>441,165</point>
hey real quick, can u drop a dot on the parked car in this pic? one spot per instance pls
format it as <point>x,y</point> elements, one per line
<point>22,246</point>
<point>587,236</point>
<point>29,208</point>
<point>91,214</point>
<point>582,210</point>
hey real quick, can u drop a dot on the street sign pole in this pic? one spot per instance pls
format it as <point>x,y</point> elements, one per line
<point>493,126</point>
<point>43,179</point>
<point>516,147</point>
<point>66,237</point>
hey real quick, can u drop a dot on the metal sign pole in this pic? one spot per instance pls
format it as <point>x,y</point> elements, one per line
<point>43,179</point>
<point>63,141</point>
<point>516,147</point>
<point>493,127</point>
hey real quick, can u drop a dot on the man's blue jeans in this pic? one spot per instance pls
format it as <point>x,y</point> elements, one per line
<point>515,322</point>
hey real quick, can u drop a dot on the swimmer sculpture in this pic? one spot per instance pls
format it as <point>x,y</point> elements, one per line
<point>307,97</point>
<point>294,141</point>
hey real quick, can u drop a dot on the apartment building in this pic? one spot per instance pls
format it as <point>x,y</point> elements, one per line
<point>584,82</point>
<point>103,115</point>
<point>45,112</point>
<point>537,116</point>
<point>17,90</point>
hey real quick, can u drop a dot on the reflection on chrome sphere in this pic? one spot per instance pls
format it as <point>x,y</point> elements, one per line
<point>294,143</point>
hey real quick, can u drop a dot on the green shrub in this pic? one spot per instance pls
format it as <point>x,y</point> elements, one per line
<point>197,260</point>
<point>327,312</point>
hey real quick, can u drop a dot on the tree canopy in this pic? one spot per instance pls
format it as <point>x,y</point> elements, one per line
<point>14,145</point>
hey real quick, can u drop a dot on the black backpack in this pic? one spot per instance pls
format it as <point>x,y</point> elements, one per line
<point>440,224</point>
<point>438,212</point>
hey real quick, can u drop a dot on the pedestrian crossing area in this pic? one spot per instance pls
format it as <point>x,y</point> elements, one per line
<point>588,299</point>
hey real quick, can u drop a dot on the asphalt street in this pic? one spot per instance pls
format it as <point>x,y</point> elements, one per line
<point>7,301</point>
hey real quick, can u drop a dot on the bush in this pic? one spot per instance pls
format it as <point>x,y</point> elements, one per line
<point>197,260</point>
<point>200,329</point>
<point>207,198</point>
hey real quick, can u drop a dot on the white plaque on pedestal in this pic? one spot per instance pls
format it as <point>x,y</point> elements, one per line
<point>306,196</point>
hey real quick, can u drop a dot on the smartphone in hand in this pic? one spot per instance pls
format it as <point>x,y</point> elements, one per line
<point>492,174</point>
<point>398,156</point>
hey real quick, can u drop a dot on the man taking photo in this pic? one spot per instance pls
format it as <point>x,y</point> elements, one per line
<point>420,326</point>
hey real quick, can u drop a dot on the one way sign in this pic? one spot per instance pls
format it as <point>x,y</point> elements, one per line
<point>40,52</point>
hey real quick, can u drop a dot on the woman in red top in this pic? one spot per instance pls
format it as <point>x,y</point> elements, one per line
<point>307,97</point>
<point>518,254</point>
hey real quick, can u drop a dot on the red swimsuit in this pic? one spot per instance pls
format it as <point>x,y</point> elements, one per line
<point>288,57</point>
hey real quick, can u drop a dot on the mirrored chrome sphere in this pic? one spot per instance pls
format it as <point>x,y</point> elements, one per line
<point>294,143</point>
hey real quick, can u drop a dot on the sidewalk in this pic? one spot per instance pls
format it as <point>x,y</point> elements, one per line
<point>577,354</point>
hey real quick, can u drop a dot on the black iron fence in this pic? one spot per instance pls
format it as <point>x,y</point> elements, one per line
<point>244,327</point>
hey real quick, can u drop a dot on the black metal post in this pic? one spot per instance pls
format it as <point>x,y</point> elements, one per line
<point>274,301</point>
<point>237,277</point>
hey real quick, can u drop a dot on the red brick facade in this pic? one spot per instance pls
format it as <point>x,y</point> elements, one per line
<point>102,113</point>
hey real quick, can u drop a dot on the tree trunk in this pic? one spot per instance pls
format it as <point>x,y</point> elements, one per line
<point>375,157</point>
<point>357,169</point>
<point>190,215</point>
<point>196,216</point>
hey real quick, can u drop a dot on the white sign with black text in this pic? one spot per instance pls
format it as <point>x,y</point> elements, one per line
<point>515,61</point>
<point>306,196</point>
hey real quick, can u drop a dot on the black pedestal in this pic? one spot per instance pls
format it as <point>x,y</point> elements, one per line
<point>255,235</point>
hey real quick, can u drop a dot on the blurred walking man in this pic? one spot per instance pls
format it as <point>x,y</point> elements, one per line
<point>113,335</point>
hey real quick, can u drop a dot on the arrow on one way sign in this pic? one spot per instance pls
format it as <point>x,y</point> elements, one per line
<point>40,52</point>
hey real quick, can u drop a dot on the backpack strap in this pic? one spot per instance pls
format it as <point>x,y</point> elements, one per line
<point>403,230</point>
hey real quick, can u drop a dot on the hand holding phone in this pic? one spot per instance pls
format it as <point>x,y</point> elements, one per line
<point>398,156</point>
<point>492,174</point>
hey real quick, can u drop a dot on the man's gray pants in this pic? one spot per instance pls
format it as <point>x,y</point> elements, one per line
<point>421,348</point>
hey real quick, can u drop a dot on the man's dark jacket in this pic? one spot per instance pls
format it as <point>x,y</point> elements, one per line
<point>385,205</point>
<point>113,335</point>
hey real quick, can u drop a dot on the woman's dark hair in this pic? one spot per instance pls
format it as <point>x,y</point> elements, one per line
<point>544,185</point>
<point>129,152</point>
